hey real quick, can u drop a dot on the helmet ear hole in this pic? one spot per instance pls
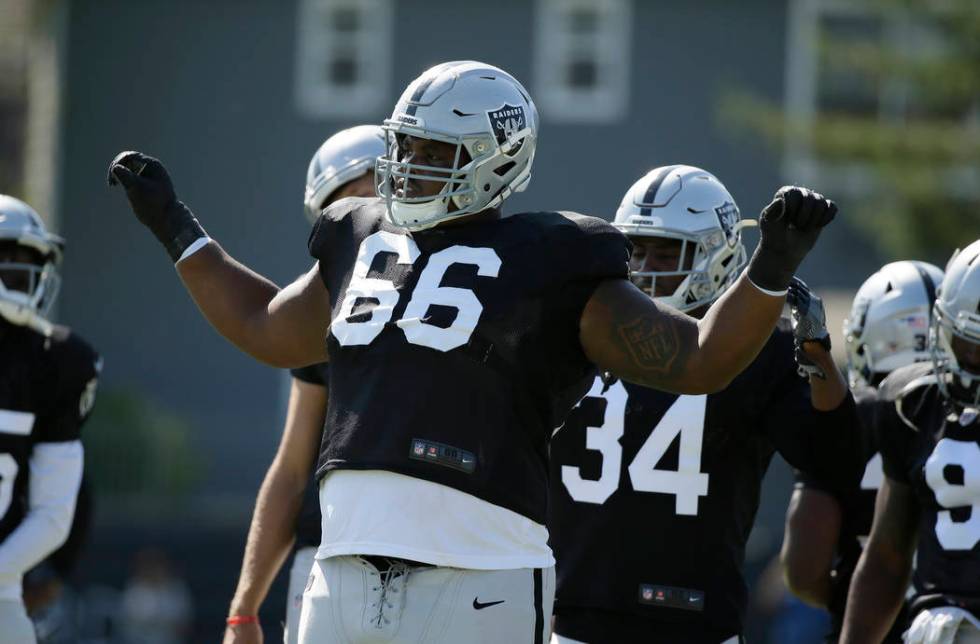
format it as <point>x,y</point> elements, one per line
<point>504,169</point>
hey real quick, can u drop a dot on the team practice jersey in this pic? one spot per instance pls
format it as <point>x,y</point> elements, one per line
<point>454,352</point>
<point>308,519</point>
<point>654,494</point>
<point>925,446</point>
<point>857,512</point>
<point>47,388</point>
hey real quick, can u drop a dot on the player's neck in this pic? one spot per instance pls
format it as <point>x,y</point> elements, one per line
<point>484,215</point>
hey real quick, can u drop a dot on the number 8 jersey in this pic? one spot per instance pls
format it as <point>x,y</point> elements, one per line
<point>653,496</point>
<point>940,459</point>
<point>454,352</point>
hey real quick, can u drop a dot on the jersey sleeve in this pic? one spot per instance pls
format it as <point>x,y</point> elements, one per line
<point>589,252</point>
<point>900,399</point>
<point>331,239</point>
<point>313,374</point>
<point>73,376</point>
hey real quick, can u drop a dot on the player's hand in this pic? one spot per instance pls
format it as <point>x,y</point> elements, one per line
<point>243,634</point>
<point>153,200</point>
<point>811,338</point>
<point>789,227</point>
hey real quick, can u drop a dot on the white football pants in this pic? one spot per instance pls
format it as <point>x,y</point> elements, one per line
<point>946,625</point>
<point>348,601</point>
<point>299,573</point>
<point>558,639</point>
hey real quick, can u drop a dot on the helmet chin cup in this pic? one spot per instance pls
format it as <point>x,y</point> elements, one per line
<point>418,216</point>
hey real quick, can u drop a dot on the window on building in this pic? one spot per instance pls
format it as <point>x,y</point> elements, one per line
<point>344,57</point>
<point>582,59</point>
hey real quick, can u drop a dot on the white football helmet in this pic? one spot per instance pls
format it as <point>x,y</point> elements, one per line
<point>888,326</point>
<point>688,204</point>
<point>480,109</point>
<point>29,305</point>
<point>343,157</point>
<point>957,315</point>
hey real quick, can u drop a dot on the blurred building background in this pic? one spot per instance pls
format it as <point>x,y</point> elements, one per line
<point>235,95</point>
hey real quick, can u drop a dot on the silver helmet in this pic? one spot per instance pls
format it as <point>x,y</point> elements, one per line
<point>345,156</point>
<point>956,316</point>
<point>484,112</point>
<point>690,205</point>
<point>888,326</point>
<point>28,301</point>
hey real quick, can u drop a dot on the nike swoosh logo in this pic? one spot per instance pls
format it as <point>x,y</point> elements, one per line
<point>480,606</point>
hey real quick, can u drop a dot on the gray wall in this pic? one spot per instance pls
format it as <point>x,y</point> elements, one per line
<point>207,87</point>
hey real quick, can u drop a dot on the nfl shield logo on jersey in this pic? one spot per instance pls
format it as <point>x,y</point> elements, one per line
<point>506,122</point>
<point>418,448</point>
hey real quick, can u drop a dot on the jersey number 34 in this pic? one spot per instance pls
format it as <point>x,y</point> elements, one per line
<point>605,415</point>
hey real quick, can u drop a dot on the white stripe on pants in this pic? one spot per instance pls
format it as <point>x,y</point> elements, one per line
<point>299,575</point>
<point>349,602</point>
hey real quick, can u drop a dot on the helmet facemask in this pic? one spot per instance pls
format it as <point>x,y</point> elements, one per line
<point>704,279</point>
<point>27,288</point>
<point>949,338</point>
<point>457,193</point>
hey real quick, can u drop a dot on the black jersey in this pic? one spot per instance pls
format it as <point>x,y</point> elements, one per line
<point>47,388</point>
<point>923,446</point>
<point>454,352</point>
<point>857,512</point>
<point>653,496</point>
<point>308,519</point>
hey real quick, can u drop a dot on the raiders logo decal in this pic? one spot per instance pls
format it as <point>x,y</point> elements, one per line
<point>728,216</point>
<point>506,122</point>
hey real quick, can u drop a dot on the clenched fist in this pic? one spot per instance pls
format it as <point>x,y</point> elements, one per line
<point>789,227</point>
<point>153,200</point>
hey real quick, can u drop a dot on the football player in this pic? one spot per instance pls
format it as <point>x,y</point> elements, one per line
<point>653,493</point>
<point>887,328</point>
<point>929,502</point>
<point>48,378</point>
<point>287,508</point>
<point>458,339</point>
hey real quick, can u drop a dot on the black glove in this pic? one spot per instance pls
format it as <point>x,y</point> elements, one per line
<point>151,196</point>
<point>809,325</point>
<point>789,226</point>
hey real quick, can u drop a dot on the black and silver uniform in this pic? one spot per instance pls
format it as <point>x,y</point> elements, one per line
<point>940,459</point>
<point>454,352</point>
<point>47,387</point>
<point>308,519</point>
<point>654,494</point>
<point>857,512</point>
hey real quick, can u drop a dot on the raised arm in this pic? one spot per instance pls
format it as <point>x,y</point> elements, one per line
<point>281,327</point>
<point>623,331</point>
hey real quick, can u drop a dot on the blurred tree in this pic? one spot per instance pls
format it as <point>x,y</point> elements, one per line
<point>134,450</point>
<point>894,120</point>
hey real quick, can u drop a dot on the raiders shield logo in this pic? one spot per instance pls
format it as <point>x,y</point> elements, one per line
<point>728,216</point>
<point>506,122</point>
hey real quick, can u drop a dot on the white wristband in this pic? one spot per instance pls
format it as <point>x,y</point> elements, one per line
<point>781,293</point>
<point>195,246</point>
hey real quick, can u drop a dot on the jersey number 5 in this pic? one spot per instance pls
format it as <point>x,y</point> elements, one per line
<point>427,293</point>
<point>953,473</point>
<point>605,415</point>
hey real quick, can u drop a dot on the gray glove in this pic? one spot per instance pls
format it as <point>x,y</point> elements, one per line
<point>809,325</point>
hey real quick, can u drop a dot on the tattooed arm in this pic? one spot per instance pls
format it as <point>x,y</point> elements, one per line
<point>625,332</point>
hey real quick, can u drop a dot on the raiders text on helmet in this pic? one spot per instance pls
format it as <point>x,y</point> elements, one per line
<point>484,112</point>
<point>28,302</point>
<point>343,157</point>
<point>957,315</point>
<point>888,326</point>
<point>690,205</point>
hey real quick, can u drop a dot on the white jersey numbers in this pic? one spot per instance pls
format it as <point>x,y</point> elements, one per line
<point>605,415</point>
<point>350,330</point>
<point>8,473</point>
<point>953,473</point>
